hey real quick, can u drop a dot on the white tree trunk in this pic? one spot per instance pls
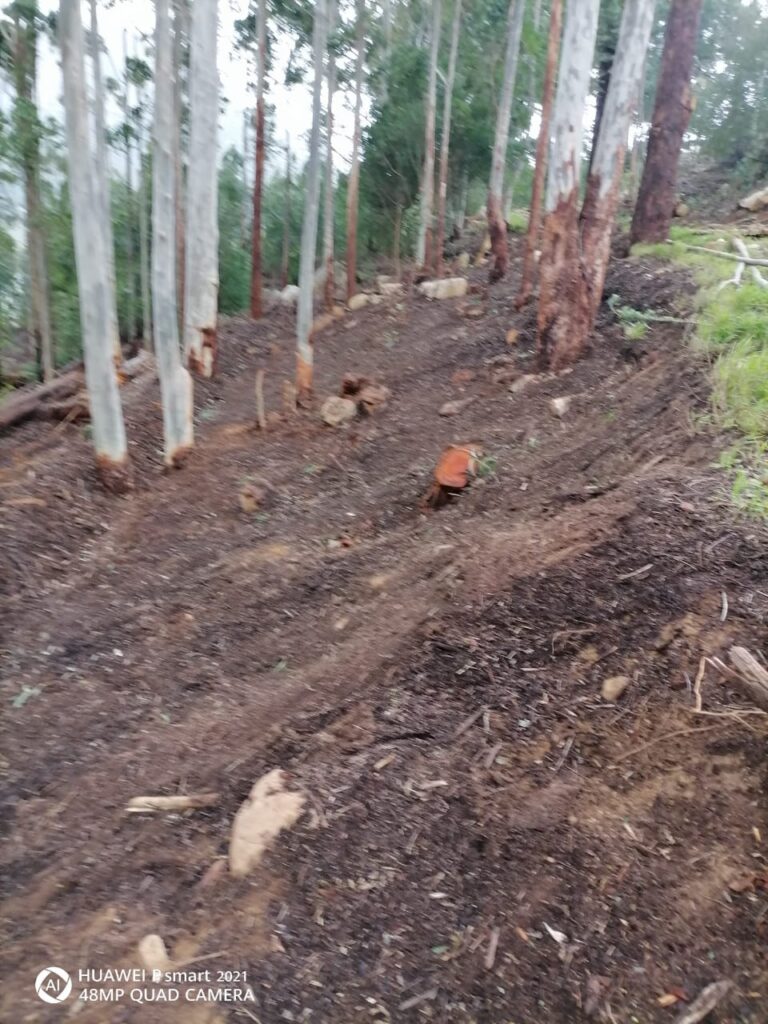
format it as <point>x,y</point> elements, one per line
<point>328,218</point>
<point>201,276</point>
<point>146,303</point>
<point>426,218</point>
<point>496,223</point>
<point>445,141</point>
<point>97,318</point>
<point>353,183</point>
<point>175,380</point>
<point>102,168</point>
<point>311,208</point>
<point>130,318</point>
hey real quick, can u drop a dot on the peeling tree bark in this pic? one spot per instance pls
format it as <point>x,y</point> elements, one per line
<point>175,380</point>
<point>257,285</point>
<point>445,142</point>
<point>561,270</point>
<point>328,255</point>
<point>201,277</point>
<point>497,226</point>
<point>97,320</point>
<point>304,353</point>
<point>542,149</point>
<point>609,151</point>
<point>426,218</point>
<point>672,112</point>
<point>353,183</point>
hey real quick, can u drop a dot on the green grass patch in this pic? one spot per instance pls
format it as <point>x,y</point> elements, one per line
<point>517,221</point>
<point>732,330</point>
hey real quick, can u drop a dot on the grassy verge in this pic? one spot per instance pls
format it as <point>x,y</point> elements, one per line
<point>732,331</point>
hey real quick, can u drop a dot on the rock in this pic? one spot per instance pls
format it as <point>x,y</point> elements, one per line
<point>504,374</point>
<point>338,312</point>
<point>681,209</point>
<point>454,408</point>
<point>375,300</point>
<point>560,406</point>
<point>462,261</point>
<point>463,376</point>
<point>335,410</point>
<point>613,688</point>
<point>513,336</point>
<point>269,809</point>
<point>358,301</point>
<point>446,288</point>
<point>153,954</point>
<point>289,296</point>
<point>391,288</point>
<point>321,322</point>
<point>756,201</point>
<point>522,383</point>
<point>372,397</point>
<point>251,497</point>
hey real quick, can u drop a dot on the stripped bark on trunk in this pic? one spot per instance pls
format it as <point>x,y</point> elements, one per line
<point>445,142</point>
<point>175,379</point>
<point>286,255</point>
<point>353,183</point>
<point>201,277</point>
<point>426,210</point>
<point>672,112</point>
<point>497,226</point>
<point>561,269</point>
<point>604,180</point>
<point>97,320</point>
<point>258,187</point>
<point>304,353</point>
<point>542,152</point>
<point>328,255</point>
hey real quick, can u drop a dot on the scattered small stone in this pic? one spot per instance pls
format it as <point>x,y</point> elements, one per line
<point>445,288</point>
<point>463,376</point>
<point>614,687</point>
<point>335,410</point>
<point>560,406</point>
<point>454,408</point>
<point>522,383</point>
<point>372,397</point>
<point>153,954</point>
<point>358,301</point>
<point>391,288</point>
<point>251,497</point>
<point>513,336</point>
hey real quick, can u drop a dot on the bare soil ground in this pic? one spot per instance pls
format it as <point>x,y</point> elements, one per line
<point>488,840</point>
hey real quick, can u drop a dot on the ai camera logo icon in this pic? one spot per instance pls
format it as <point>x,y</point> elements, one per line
<point>53,985</point>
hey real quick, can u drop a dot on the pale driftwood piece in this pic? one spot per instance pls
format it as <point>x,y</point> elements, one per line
<point>261,417</point>
<point>190,802</point>
<point>742,249</point>
<point>751,677</point>
<point>749,260</point>
<point>704,1003</point>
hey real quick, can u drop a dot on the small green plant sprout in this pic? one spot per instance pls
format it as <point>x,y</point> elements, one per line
<point>486,466</point>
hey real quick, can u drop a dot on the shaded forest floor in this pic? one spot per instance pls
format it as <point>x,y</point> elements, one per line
<point>433,683</point>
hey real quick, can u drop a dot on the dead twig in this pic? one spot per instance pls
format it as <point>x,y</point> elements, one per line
<point>493,945</point>
<point>662,739</point>
<point>261,418</point>
<point>469,722</point>
<point>424,997</point>
<point>150,804</point>
<point>698,682</point>
<point>704,1003</point>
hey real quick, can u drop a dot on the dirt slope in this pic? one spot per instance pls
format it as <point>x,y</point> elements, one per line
<point>167,642</point>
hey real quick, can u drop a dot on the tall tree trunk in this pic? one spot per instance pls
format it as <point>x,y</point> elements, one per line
<point>304,353</point>
<point>445,142</point>
<point>286,255</point>
<point>180,32</point>
<point>604,180</point>
<point>146,305</point>
<point>561,269</point>
<point>396,240</point>
<point>607,40</point>
<point>129,207</point>
<point>353,182</point>
<point>258,187</point>
<point>328,219</point>
<point>542,149</point>
<point>426,218</point>
<point>28,126</point>
<point>97,320</point>
<point>247,204</point>
<point>102,169</point>
<point>497,227</point>
<point>201,276</point>
<point>175,379</point>
<point>672,112</point>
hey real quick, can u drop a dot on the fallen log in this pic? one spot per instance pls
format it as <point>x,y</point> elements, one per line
<point>749,260</point>
<point>756,201</point>
<point>26,403</point>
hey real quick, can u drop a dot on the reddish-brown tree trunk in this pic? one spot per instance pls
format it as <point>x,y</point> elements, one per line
<point>671,114</point>
<point>258,186</point>
<point>542,147</point>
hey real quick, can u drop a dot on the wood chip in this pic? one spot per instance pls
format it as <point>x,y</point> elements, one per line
<point>424,997</point>
<point>384,762</point>
<point>752,677</point>
<point>468,722</point>
<point>704,1003</point>
<point>635,572</point>
<point>190,802</point>
<point>493,945</point>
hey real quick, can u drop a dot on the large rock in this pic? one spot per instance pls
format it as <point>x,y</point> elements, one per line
<point>756,201</point>
<point>289,296</point>
<point>336,411</point>
<point>269,809</point>
<point>446,288</point>
<point>389,288</point>
<point>358,301</point>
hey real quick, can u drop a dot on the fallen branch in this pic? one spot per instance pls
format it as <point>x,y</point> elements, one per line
<point>736,279</point>
<point>29,402</point>
<point>742,249</point>
<point>750,676</point>
<point>190,802</point>
<point>749,260</point>
<point>704,1002</point>
<point>661,739</point>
